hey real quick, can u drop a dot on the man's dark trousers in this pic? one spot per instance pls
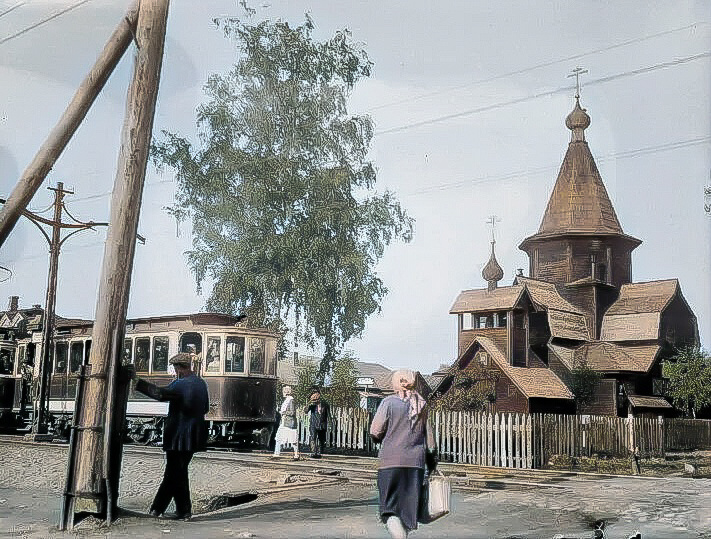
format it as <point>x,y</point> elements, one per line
<point>318,440</point>
<point>175,484</point>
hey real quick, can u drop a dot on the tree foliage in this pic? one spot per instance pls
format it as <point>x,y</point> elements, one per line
<point>342,387</point>
<point>307,376</point>
<point>689,379</point>
<point>286,223</point>
<point>472,389</point>
<point>584,382</point>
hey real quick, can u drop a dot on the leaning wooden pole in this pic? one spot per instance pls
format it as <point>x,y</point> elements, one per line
<point>54,145</point>
<point>89,492</point>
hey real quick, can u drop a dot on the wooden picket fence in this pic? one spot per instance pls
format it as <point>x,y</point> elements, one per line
<point>524,440</point>
<point>685,434</point>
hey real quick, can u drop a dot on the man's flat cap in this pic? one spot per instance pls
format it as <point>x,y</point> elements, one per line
<point>182,359</point>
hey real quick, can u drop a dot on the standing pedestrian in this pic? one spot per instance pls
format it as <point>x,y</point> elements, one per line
<point>319,412</point>
<point>286,434</point>
<point>185,433</point>
<point>407,446</point>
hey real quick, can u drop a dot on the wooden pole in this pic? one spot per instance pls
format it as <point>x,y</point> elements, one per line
<point>39,425</point>
<point>57,140</point>
<point>112,303</point>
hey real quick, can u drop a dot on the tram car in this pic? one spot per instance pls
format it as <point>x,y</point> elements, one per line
<point>237,362</point>
<point>17,352</point>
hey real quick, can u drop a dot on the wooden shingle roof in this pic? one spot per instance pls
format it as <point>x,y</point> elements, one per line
<point>650,297</point>
<point>608,357</point>
<point>532,382</point>
<point>636,315</point>
<point>579,201</point>
<point>566,325</point>
<point>546,294</point>
<point>505,297</point>
<point>644,401</point>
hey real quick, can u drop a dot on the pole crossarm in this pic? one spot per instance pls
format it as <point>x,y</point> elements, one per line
<point>76,111</point>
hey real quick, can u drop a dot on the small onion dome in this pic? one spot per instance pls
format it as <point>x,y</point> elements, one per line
<point>492,272</point>
<point>577,121</point>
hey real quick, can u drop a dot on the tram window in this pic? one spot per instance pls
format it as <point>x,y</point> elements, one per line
<point>127,351</point>
<point>271,359</point>
<point>21,357</point>
<point>60,358</point>
<point>76,353</point>
<point>160,354</point>
<point>212,356</point>
<point>142,353</point>
<point>256,356</point>
<point>234,361</point>
<point>7,361</point>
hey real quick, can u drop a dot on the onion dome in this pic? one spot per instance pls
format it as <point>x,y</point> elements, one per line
<point>577,121</point>
<point>492,272</point>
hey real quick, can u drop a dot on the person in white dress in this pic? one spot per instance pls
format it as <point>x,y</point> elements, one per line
<point>286,434</point>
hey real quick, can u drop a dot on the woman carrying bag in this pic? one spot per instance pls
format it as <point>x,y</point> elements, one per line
<point>407,447</point>
<point>286,433</point>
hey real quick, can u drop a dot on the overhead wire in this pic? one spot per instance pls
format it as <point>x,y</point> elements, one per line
<point>547,93</point>
<point>538,66</point>
<point>11,9</point>
<point>548,168</point>
<point>43,21</point>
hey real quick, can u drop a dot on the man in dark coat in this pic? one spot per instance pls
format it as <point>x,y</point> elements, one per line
<point>185,433</point>
<point>318,411</point>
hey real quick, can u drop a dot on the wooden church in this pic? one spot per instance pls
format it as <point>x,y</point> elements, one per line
<point>577,306</point>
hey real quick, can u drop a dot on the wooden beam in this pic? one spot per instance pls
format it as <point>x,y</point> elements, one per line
<point>114,286</point>
<point>59,137</point>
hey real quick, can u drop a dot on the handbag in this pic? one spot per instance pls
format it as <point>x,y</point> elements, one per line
<point>434,498</point>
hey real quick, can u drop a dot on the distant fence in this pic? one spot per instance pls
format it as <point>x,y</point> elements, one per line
<point>525,440</point>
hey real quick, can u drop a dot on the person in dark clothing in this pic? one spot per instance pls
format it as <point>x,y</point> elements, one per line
<point>185,433</point>
<point>318,411</point>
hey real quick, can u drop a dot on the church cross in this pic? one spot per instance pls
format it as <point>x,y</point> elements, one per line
<point>492,220</point>
<point>576,73</point>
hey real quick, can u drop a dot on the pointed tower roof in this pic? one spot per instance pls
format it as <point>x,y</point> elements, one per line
<point>579,203</point>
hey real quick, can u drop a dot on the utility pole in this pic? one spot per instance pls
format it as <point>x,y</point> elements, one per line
<point>39,422</point>
<point>94,481</point>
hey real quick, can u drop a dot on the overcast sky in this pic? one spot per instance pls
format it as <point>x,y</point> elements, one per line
<point>469,101</point>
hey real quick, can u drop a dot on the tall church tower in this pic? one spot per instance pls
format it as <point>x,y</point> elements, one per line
<point>580,245</point>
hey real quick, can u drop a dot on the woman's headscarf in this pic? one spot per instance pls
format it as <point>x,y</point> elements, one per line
<point>403,381</point>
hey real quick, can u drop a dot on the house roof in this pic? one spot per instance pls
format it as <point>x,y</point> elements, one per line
<point>532,382</point>
<point>547,295</point>
<point>631,327</point>
<point>608,357</point>
<point>505,297</point>
<point>643,401</point>
<point>566,325</point>
<point>649,297</point>
<point>380,374</point>
<point>636,315</point>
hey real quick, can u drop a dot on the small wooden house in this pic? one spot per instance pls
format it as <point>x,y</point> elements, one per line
<point>577,306</point>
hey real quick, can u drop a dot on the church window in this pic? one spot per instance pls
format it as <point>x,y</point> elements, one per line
<point>602,272</point>
<point>501,321</point>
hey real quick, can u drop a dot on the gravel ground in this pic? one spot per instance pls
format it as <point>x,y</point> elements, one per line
<point>43,469</point>
<point>31,479</point>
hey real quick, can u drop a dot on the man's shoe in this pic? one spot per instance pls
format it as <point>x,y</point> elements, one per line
<point>181,516</point>
<point>154,513</point>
